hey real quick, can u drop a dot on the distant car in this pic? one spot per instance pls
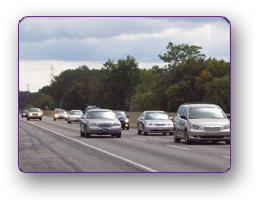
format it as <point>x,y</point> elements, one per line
<point>24,113</point>
<point>154,122</point>
<point>74,116</point>
<point>100,122</point>
<point>91,107</point>
<point>35,113</point>
<point>201,122</point>
<point>123,118</point>
<point>60,114</point>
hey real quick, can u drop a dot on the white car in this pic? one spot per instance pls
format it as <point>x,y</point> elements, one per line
<point>74,116</point>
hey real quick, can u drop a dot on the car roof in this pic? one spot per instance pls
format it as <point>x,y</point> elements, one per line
<point>193,105</point>
<point>154,111</point>
<point>93,110</point>
<point>76,110</point>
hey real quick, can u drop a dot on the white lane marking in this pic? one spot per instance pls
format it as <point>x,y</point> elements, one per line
<point>96,148</point>
<point>139,139</point>
<point>225,157</point>
<point>178,147</point>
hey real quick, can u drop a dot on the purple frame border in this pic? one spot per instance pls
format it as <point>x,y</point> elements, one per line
<point>5,6</point>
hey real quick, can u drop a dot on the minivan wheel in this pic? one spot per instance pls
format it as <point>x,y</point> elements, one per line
<point>175,136</point>
<point>227,142</point>
<point>186,138</point>
<point>81,132</point>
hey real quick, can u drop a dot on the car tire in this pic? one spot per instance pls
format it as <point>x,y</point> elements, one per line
<point>28,119</point>
<point>128,128</point>
<point>54,119</point>
<point>81,132</point>
<point>40,119</point>
<point>87,135</point>
<point>118,135</point>
<point>227,142</point>
<point>139,131</point>
<point>186,137</point>
<point>175,136</point>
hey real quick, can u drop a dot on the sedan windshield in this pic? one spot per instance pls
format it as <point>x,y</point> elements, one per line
<point>60,111</point>
<point>75,113</point>
<point>200,113</point>
<point>101,115</point>
<point>156,115</point>
<point>34,110</point>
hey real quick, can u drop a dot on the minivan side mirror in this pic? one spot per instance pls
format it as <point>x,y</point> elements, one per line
<point>183,117</point>
<point>228,115</point>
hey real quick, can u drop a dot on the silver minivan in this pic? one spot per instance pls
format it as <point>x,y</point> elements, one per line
<point>201,122</point>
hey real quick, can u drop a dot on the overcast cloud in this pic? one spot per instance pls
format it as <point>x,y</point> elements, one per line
<point>92,40</point>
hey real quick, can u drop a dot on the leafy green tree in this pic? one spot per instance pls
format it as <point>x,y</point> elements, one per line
<point>180,53</point>
<point>218,92</point>
<point>118,82</point>
<point>178,94</point>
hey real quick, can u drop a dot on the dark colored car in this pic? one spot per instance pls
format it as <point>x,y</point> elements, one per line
<point>123,118</point>
<point>91,107</point>
<point>24,113</point>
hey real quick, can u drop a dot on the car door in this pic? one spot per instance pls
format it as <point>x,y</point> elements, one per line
<point>180,122</point>
<point>83,122</point>
<point>141,121</point>
<point>183,121</point>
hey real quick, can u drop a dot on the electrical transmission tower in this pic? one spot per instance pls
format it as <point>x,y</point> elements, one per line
<point>27,87</point>
<point>51,73</point>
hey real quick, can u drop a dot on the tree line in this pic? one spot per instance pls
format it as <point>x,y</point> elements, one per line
<point>186,77</point>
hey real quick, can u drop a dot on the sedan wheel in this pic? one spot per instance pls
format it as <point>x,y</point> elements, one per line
<point>81,132</point>
<point>139,131</point>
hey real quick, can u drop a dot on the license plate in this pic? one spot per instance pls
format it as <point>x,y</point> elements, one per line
<point>159,128</point>
<point>104,130</point>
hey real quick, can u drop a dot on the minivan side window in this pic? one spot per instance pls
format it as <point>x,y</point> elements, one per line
<point>178,111</point>
<point>184,112</point>
<point>181,111</point>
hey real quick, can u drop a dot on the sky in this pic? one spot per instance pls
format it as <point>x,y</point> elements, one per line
<point>65,43</point>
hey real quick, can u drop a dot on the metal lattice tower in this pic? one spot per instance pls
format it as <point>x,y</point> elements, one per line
<point>51,73</point>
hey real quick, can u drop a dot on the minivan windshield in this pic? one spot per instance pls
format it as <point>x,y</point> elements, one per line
<point>201,113</point>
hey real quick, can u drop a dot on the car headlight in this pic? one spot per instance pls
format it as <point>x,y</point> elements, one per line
<point>227,126</point>
<point>126,120</point>
<point>194,126</point>
<point>66,115</point>
<point>169,124</point>
<point>30,114</point>
<point>55,115</point>
<point>116,124</point>
<point>148,124</point>
<point>40,114</point>
<point>92,124</point>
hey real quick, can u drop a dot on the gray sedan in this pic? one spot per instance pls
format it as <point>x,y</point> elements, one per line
<point>154,122</point>
<point>100,122</point>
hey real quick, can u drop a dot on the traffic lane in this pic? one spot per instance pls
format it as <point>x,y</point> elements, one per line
<point>158,155</point>
<point>115,145</point>
<point>42,151</point>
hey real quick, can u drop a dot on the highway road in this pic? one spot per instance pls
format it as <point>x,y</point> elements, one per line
<point>56,146</point>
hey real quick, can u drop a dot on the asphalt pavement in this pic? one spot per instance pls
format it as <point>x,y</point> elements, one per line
<point>56,146</point>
